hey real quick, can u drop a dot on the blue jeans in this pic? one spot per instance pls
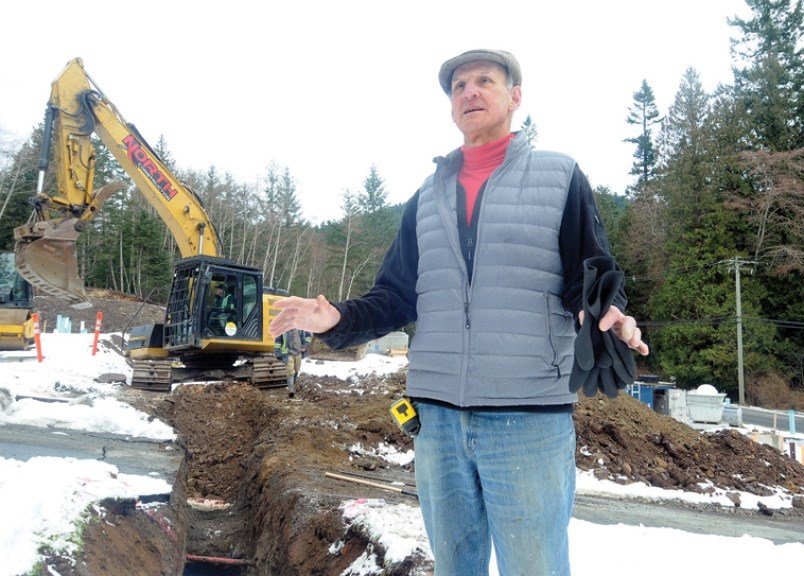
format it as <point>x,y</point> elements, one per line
<point>502,477</point>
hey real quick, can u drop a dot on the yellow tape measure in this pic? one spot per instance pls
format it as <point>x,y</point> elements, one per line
<point>405,416</point>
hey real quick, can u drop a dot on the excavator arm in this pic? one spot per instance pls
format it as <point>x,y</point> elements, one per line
<point>46,247</point>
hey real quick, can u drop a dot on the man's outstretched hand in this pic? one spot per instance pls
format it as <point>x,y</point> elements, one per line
<point>624,327</point>
<point>314,315</point>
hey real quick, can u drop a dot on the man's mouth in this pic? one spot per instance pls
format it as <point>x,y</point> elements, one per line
<point>470,110</point>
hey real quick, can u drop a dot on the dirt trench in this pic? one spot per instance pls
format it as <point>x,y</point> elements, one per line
<point>252,488</point>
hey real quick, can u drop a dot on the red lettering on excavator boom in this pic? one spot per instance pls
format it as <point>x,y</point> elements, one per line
<point>140,157</point>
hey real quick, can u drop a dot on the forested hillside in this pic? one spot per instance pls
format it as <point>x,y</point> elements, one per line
<point>716,203</point>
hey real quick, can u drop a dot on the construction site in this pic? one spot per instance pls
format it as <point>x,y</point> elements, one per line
<point>263,476</point>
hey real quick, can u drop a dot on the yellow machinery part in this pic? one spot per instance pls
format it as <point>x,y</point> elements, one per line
<point>16,329</point>
<point>46,258</point>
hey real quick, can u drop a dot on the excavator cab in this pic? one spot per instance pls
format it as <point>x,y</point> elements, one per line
<point>215,304</point>
<point>16,302</point>
<point>215,307</point>
<point>199,328</point>
<point>214,324</point>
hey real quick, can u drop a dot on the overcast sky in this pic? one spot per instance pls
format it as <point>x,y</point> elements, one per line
<point>328,88</point>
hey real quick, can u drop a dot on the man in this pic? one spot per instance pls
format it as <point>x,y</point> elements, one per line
<point>291,347</point>
<point>223,309</point>
<point>222,300</point>
<point>489,263</point>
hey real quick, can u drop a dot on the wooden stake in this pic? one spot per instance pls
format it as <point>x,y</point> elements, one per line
<point>374,484</point>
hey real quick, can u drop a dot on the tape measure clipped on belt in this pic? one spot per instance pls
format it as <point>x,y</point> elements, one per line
<point>405,416</point>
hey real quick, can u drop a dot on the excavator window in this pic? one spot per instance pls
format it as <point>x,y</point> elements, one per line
<point>222,317</point>
<point>14,289</point>
<point>250,295</point>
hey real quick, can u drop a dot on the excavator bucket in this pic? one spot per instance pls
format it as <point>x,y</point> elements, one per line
<point>46,258</point>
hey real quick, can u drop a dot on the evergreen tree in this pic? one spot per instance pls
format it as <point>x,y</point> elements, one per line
<point>374,196</point>
<point>642,218</point>
<point>210,189</point>
<point>769,72</point>
<point>102,251</point>
<point>687,170</point>
<point>612,209</point>
<point>699,344</point>
<point>279,225</point>
<point>270,224</point>
<point>289,202</point>
<point>530,130</point>
<point>645,114</point>
<point>768,93</point>
<point>165,156</point>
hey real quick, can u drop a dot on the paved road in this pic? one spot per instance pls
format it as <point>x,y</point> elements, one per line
<point>784,526</point>
<point>140,456</point>
<point>774,419</point>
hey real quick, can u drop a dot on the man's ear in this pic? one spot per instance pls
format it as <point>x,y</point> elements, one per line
<point>516,98</point>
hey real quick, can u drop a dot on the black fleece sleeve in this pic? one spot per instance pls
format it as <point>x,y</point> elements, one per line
<point>582,236</point>
<point>391,302</point>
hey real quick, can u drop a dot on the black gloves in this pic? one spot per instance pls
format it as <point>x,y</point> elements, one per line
<point>602,361</point>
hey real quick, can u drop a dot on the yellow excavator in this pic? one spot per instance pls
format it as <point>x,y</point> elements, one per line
<point>16,304</point>
<point>204,335</point>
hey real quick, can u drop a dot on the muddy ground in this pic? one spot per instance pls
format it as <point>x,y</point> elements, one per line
<point>253,486</point>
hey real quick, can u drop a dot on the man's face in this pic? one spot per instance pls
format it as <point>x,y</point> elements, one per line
<point>482,105</point>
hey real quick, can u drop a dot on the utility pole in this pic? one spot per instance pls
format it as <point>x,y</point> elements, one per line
<point>737,262</point>
<point>740,372</point>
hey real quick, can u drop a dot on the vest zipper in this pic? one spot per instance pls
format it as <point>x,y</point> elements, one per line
<point>553,349</point>
<point>466,306</point>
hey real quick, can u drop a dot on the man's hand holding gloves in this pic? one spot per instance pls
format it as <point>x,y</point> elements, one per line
<point>602,361</point>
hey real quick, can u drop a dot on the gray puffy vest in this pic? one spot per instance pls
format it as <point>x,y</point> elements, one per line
<point>504,339</point>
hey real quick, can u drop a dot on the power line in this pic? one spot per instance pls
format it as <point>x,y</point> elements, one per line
<point>791,324</point>
<point>687,321</point>
<point>794,324</point>
<point>682,270</point>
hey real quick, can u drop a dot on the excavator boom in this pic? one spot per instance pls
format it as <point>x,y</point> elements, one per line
<point>46,247</point>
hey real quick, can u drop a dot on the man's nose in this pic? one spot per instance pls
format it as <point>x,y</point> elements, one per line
<point>470,91</point>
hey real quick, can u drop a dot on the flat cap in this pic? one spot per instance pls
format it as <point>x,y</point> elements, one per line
<point>501,57</point>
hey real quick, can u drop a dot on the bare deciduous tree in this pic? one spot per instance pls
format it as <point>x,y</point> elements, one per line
<point>776,207</point>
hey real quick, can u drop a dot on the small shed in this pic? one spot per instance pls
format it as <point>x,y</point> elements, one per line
<point>389,342</point>
<point>647,389</point>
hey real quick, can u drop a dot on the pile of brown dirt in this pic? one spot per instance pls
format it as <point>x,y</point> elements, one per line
<point>624,441</point>
<point>262,457</point>
<point>120,311</point>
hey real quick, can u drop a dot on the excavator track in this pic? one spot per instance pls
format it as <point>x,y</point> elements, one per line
<point>153,375</point>
<point>262,372</point>
<point>268,372</point>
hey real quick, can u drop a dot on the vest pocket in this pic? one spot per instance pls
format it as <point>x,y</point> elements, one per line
<point>560,327</point>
